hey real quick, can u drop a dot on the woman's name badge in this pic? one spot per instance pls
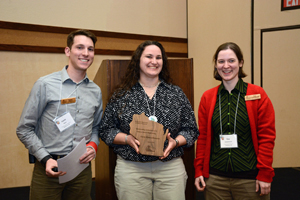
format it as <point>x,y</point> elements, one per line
<point>65,121</point>
<point>228,141</point>
<point>252,97</point>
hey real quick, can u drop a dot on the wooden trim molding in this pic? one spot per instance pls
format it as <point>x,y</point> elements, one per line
<point>42,49</point>
<point>22,37</point>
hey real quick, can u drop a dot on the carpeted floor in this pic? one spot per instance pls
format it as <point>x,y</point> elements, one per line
<point>285,186</point>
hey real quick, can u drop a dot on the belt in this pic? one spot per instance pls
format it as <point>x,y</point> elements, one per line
<point>55,157</point>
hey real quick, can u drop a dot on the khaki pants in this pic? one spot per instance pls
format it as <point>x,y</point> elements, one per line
<point>151,180</point>
<point>223,188</point>
<point>46,188</point>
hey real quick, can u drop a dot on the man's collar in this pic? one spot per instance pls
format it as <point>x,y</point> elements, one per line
<point>65,76</point>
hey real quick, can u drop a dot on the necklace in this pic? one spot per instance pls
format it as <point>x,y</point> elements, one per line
<point>151,117</point>
<point>150,86</point>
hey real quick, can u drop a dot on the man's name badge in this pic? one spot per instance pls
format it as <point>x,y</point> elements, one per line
<point>252,97</point>
<point>228,141</point>
<point>65,121</point>
<point>68,100</point>
<point>149,133</point>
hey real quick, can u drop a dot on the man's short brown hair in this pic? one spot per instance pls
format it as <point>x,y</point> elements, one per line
<point>70,39</point>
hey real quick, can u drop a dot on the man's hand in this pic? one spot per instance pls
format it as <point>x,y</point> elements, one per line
<point>88,156</point>
<point>51,163</point>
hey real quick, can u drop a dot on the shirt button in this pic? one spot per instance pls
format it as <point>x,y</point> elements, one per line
<point>229,153</point>
<point>229,104</point>
<point>228,124</point>
<point>77,111</point>
<point>229,133</point>
<point>228,113</point>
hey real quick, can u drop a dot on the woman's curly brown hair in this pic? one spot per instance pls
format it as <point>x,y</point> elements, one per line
<point>132,74</point>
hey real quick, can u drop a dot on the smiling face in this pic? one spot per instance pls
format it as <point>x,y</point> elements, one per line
<point>228,66</point>
<point>81,55</point>
<point>151,62</point>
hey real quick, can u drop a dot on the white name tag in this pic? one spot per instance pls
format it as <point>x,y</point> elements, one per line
<point>228,141</point>
<point>65,121</point>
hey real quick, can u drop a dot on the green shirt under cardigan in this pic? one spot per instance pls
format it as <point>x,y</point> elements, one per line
<point>243,158</point>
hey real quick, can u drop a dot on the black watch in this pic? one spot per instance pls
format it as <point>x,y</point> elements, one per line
<point>44,160</point>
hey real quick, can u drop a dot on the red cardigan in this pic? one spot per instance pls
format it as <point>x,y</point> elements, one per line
<point>262,123</point>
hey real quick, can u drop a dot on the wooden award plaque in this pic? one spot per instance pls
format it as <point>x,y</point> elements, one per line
<point>149,133</point>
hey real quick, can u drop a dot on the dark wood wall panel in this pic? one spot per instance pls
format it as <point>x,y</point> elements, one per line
<point>49,39</point>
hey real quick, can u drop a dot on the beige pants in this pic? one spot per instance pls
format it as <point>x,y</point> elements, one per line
<point>223,188</point>
<point>150,180</point>
<point>46,188</point>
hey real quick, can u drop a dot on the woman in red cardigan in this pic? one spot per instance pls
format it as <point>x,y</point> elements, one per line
<point>237,132</point>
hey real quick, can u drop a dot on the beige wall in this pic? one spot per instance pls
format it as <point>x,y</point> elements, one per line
<point>280,72</point>
<point>150,17</point>
<point>267,15</point>
<point>281,80</point>
<point>20,70</point>
<point>211,23</point>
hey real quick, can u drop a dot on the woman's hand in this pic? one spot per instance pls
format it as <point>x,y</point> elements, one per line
<point>170,147</point>
<point>200,183</point>
<point>172,144</point>
<point>126,139</point>
<point>133,142</point>
<point>265,187</point>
